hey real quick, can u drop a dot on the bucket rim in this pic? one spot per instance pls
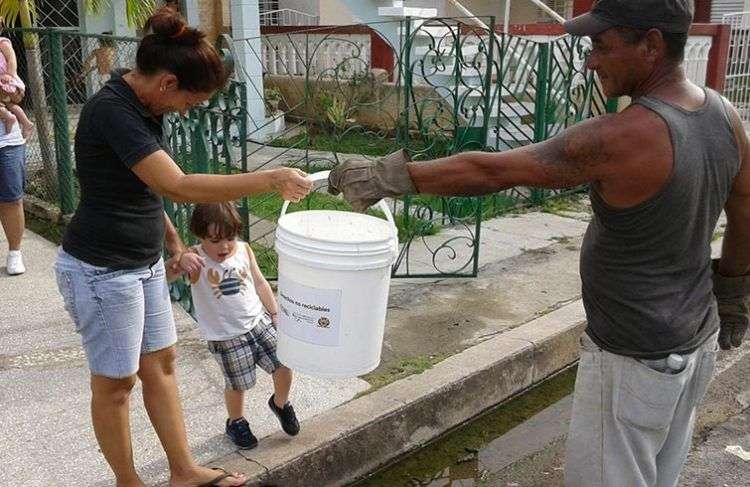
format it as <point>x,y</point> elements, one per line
<point>386,240</point>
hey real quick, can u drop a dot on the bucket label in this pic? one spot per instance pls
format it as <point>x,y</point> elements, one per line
<point>309,314</point>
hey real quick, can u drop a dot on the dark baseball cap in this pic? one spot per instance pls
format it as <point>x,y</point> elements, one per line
<point>671,16</point>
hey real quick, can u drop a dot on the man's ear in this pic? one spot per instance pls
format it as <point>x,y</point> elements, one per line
<point>656,47</point>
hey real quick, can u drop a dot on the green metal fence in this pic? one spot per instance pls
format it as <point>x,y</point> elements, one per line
<point>61,69</point>
<point>450,88</point>
<point>453,87</point>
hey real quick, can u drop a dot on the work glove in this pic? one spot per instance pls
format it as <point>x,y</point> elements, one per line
<point>364,183</point>
<point>733,296</point>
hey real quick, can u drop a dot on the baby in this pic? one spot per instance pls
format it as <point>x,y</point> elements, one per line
<point>11,91</point>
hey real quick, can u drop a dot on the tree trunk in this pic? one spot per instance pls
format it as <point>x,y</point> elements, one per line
<point>39,99</point>
<point>41,116</point>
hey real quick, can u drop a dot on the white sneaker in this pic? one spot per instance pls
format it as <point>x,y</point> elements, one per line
<point>14,264</point>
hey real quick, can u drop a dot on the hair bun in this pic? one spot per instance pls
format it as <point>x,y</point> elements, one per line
<point>168,24</point>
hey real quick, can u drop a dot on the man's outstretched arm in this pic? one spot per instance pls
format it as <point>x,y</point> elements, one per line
<point>577,155</point>
<point>589,151</point>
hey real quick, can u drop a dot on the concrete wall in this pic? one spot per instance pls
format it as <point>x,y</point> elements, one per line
<point>521,11</point>
<point>306,6</point>
<point>337,12</point>
<point>343,12</point>
<point>112,19</point>
<point>379,113</point>
<point>213,17</point>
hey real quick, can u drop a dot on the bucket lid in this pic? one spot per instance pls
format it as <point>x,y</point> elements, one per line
<point>336,239</point>
<point>337,227</point>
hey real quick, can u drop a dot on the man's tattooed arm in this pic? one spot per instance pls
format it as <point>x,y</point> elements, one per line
<point>577,155</point>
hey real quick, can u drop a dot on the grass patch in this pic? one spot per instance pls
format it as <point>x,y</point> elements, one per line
<point>465,208</point>
<point>561,204</point>
<point>268,207</point>
<point>268,261</point>
<point>404,369</point>
<point>450,451</point>
<point>350,142</point>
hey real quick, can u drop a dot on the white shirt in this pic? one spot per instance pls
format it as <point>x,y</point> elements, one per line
<point>224,296</point>
<point>13,137</point>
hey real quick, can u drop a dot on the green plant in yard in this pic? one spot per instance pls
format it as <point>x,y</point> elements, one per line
<point>268,207</point>
<point>352,141</point>
<point>272,97</point>
<point>337,114</point>
<point>268,261</point>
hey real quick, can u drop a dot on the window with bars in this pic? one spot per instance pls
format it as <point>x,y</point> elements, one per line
<point>562,7</point>
<point>265,6</point>
<point>57,13</point>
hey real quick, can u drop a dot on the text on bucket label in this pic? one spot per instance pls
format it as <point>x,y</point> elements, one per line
<point>309,314</point>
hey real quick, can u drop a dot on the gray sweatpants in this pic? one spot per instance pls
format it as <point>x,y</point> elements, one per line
<point>631,424</point>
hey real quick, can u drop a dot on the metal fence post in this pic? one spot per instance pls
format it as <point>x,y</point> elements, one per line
<point>611,105</point>
<point>402,129</point>
<point>60,118</point>
<point>198,144</point>
<point>540,107</point>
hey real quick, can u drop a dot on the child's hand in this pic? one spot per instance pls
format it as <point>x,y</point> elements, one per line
<point>172,268</point>
<point>190,262</point>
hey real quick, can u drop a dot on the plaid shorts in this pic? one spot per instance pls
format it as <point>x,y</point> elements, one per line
<point>239,356</point>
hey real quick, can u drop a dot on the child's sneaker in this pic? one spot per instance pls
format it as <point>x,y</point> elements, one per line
<point>286,416</point>
<point>239,432</point>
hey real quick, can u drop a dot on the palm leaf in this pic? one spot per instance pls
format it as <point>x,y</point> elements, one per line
<point>138,11</point>
<point>9,10</point>
<point>96,6</point>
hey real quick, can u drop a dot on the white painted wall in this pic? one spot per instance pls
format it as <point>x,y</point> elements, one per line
<point>345,12</point>
<point>721,7</point>
<point>521,11</point>
<point>111,19</point>
<point>337,12</point>
<point>246,25</point>
<point>312,8</point>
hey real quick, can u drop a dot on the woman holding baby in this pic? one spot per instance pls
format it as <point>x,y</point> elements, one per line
<point>15,127</point>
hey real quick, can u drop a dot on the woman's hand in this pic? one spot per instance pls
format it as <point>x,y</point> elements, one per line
<point>190,262</point>
<point>291,184</point>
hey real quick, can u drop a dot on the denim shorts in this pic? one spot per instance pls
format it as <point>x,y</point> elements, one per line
<point>119,313</point>
<point>12,172</point>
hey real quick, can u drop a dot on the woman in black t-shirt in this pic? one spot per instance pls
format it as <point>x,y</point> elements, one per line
<point>109,270</point>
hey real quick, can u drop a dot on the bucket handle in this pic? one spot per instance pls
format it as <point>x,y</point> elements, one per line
<point>321,175</point>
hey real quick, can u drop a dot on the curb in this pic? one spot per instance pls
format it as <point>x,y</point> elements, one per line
<point>356,438</point>
<point>41,209</point>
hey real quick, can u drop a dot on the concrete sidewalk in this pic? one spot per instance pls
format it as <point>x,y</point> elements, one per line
<point>45,428</point>
<point>493,336</point>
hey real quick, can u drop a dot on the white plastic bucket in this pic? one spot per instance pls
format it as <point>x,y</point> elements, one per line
<point>334,276</point>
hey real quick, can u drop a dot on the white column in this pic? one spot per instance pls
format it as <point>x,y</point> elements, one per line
<point>189,10</point>
<point>120,25</point>
<point>111,19</point>
<point>246,26</point>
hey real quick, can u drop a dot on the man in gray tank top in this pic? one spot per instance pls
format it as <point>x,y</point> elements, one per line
<point>660,172</point>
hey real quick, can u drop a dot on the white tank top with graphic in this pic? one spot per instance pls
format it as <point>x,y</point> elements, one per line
<point>226,304</point>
